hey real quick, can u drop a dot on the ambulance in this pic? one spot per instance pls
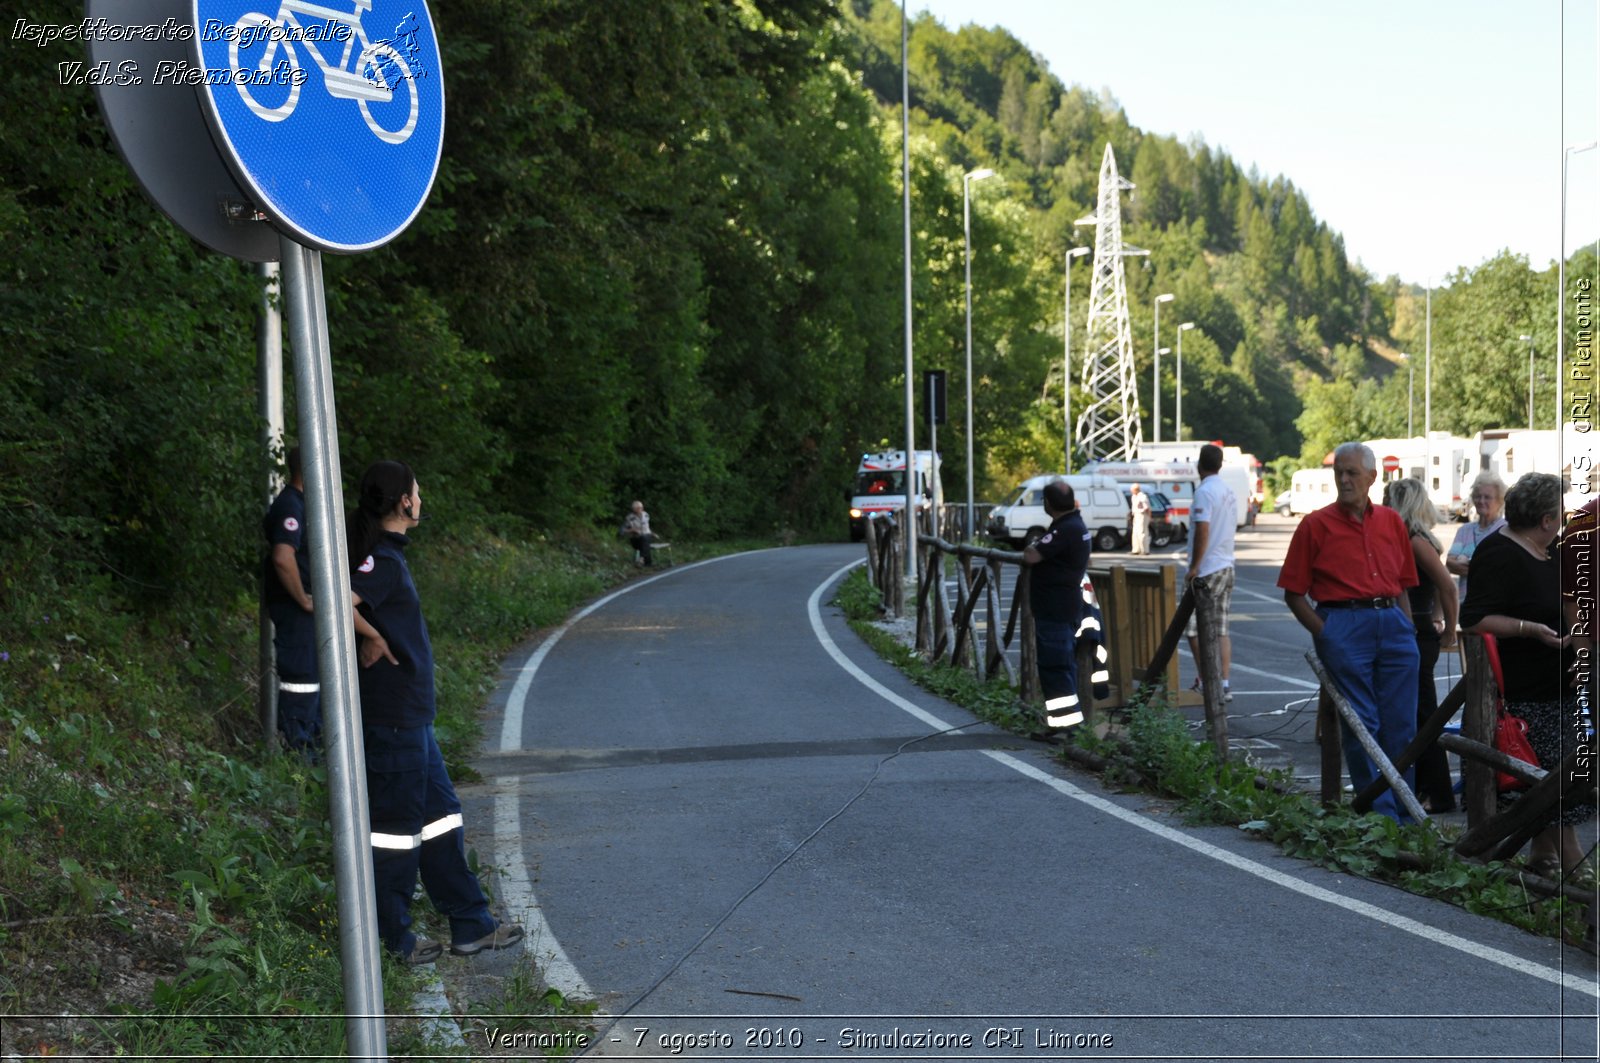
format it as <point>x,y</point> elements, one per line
<point>880,487</point>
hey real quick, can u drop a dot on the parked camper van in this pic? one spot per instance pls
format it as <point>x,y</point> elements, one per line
<point>880,486</point>
<point>1311,489</point>
<point>1444,463</point>
<point>1100,500</point>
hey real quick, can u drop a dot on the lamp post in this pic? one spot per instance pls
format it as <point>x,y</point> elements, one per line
<point>1529,341</point>
<point>1177,428</point>
<point>1427,392</point>
<point>1155,372</point>
<point>1411,393</point>
<point>1066,363</point>
<point>1561,288</point>
<point>966,245</point>
<point>908,534</point>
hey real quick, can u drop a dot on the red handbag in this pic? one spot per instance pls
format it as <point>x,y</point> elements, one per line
<point>1510,732</point>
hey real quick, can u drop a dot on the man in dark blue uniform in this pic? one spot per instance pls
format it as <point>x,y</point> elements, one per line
<point>286,579</point>
<point>1059,558</point>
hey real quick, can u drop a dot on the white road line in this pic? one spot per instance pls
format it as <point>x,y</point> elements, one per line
<point>516,891</point>
<point>1306,889</point>
<point>521,905</point>
<point>1240,863</point>
<point>848,665</point>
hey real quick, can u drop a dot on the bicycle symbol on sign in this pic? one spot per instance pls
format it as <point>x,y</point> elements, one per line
<point>368,81</point>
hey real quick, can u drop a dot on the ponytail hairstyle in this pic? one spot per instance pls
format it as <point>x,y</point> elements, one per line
<point>382,486</point>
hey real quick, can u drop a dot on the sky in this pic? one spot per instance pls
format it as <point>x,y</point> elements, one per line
<point>1430,134</point>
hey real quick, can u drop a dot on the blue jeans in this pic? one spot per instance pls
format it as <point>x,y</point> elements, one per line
<point>1372,656</point>
<point>416,826</point>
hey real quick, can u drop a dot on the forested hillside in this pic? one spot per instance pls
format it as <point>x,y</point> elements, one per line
<point>662,260</point>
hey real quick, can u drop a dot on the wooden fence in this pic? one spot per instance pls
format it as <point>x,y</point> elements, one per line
<point>1491,834</point>
<point>1137,603</point>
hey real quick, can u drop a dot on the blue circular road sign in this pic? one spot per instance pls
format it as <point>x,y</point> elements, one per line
<point>331,115</point>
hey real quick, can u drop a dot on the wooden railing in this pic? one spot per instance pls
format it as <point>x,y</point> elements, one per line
<point>884,562</point>
<point>975,631</point>
<point>1491,835</point>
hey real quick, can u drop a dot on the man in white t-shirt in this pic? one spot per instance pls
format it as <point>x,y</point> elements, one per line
<point>1213,518</point>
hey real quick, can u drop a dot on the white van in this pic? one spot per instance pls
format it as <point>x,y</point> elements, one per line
<point>880,487</point>
<point>1105,511</point>
<point>1311,489</point>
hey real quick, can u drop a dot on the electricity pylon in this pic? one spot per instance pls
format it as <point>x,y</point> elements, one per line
<point>1108,429</point>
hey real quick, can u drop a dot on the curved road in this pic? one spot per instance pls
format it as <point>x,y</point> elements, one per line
<point>718,812</point>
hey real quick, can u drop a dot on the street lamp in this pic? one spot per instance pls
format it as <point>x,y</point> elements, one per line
<point>1411,393</point>
<point>1561,287</point>
<point>1066,363</point>
<point>1427,391</point>
<point>1177,428</point>
<point>908,533</point>
<point>1155,372</point>
<point>1529,341</point>
<point>966,231</point>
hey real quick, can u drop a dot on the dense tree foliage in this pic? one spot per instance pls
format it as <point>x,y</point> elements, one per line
<point>663,260</point>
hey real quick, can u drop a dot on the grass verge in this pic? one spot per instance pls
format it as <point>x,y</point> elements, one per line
<point>158,869</point>
<point>1155,751</point>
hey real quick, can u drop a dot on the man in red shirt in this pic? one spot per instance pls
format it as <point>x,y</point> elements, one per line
<point>1353,560</point>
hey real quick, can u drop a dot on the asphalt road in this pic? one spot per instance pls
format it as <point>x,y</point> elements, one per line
<point>724,819</point>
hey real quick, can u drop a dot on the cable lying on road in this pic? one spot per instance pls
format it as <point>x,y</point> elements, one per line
<point>681,960</point>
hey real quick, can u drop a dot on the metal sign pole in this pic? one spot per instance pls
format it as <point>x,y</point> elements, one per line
<point>269,396</point>
<point>336,657</point>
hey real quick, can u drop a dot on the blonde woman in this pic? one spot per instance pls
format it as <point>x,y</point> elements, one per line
<point>1488,496</point>
<point>1433,611</point>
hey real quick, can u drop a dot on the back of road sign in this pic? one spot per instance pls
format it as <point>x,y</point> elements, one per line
<point>330,116</point>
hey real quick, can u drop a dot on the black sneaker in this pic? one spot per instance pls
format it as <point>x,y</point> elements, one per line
<point>501,937</point>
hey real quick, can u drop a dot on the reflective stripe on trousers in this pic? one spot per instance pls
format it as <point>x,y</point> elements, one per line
<point>1062,711</point>
<point>430,831</point>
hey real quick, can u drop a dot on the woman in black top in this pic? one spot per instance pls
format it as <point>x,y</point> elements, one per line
<point>1433,611</point>
<point>1514,593</point>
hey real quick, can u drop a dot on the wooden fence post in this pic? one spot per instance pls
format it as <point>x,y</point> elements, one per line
<point>1208,618</point>
<point>1479,793</point>
<point>1023,600</point>
<point>1329,738</point>
<point>875,554</point>
<point>961,655</point>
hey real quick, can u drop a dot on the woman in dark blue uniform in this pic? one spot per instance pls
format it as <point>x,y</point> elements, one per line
<point>416,816</point>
